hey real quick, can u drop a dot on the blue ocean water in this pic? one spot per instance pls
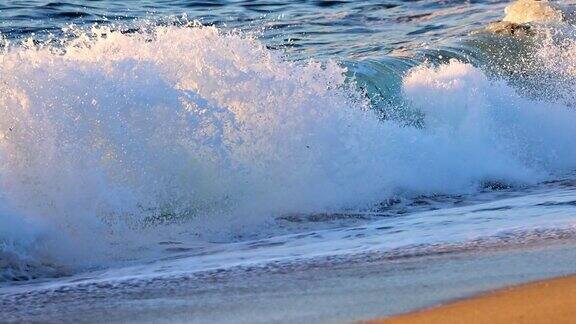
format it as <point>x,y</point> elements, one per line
<point>318,29</point>
<point>165,138</point>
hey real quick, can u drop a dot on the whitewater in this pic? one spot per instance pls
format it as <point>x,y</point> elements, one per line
<point>175,150</point>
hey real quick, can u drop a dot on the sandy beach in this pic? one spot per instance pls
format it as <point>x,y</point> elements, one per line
<point>547,301</point>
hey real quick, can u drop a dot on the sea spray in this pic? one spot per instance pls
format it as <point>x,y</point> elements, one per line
<point>110,136</point>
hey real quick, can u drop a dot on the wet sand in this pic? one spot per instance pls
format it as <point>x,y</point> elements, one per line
<point>548,301</point>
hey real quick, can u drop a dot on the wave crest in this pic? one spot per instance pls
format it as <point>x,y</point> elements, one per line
<point>113,132</point>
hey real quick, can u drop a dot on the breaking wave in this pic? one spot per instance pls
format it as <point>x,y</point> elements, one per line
<point>106,135</point>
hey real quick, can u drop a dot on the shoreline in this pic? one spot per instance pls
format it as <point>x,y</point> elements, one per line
<point>543,301</point>
<point>339,292</point>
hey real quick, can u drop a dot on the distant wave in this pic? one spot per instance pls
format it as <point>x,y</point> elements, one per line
<point>107,134</point>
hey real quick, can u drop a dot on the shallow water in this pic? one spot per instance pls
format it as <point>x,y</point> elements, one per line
<point>329,292</point>
<point>156,139</point>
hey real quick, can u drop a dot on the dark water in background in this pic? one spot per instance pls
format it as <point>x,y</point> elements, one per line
<point>318,29</point>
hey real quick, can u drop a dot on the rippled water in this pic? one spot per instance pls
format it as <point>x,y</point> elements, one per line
<point>319,29</point>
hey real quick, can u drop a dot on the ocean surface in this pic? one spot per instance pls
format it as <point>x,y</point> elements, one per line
<point>142,140</point>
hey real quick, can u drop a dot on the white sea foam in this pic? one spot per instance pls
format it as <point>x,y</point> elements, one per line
<point>103,138</point>
<point>526,11</point>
